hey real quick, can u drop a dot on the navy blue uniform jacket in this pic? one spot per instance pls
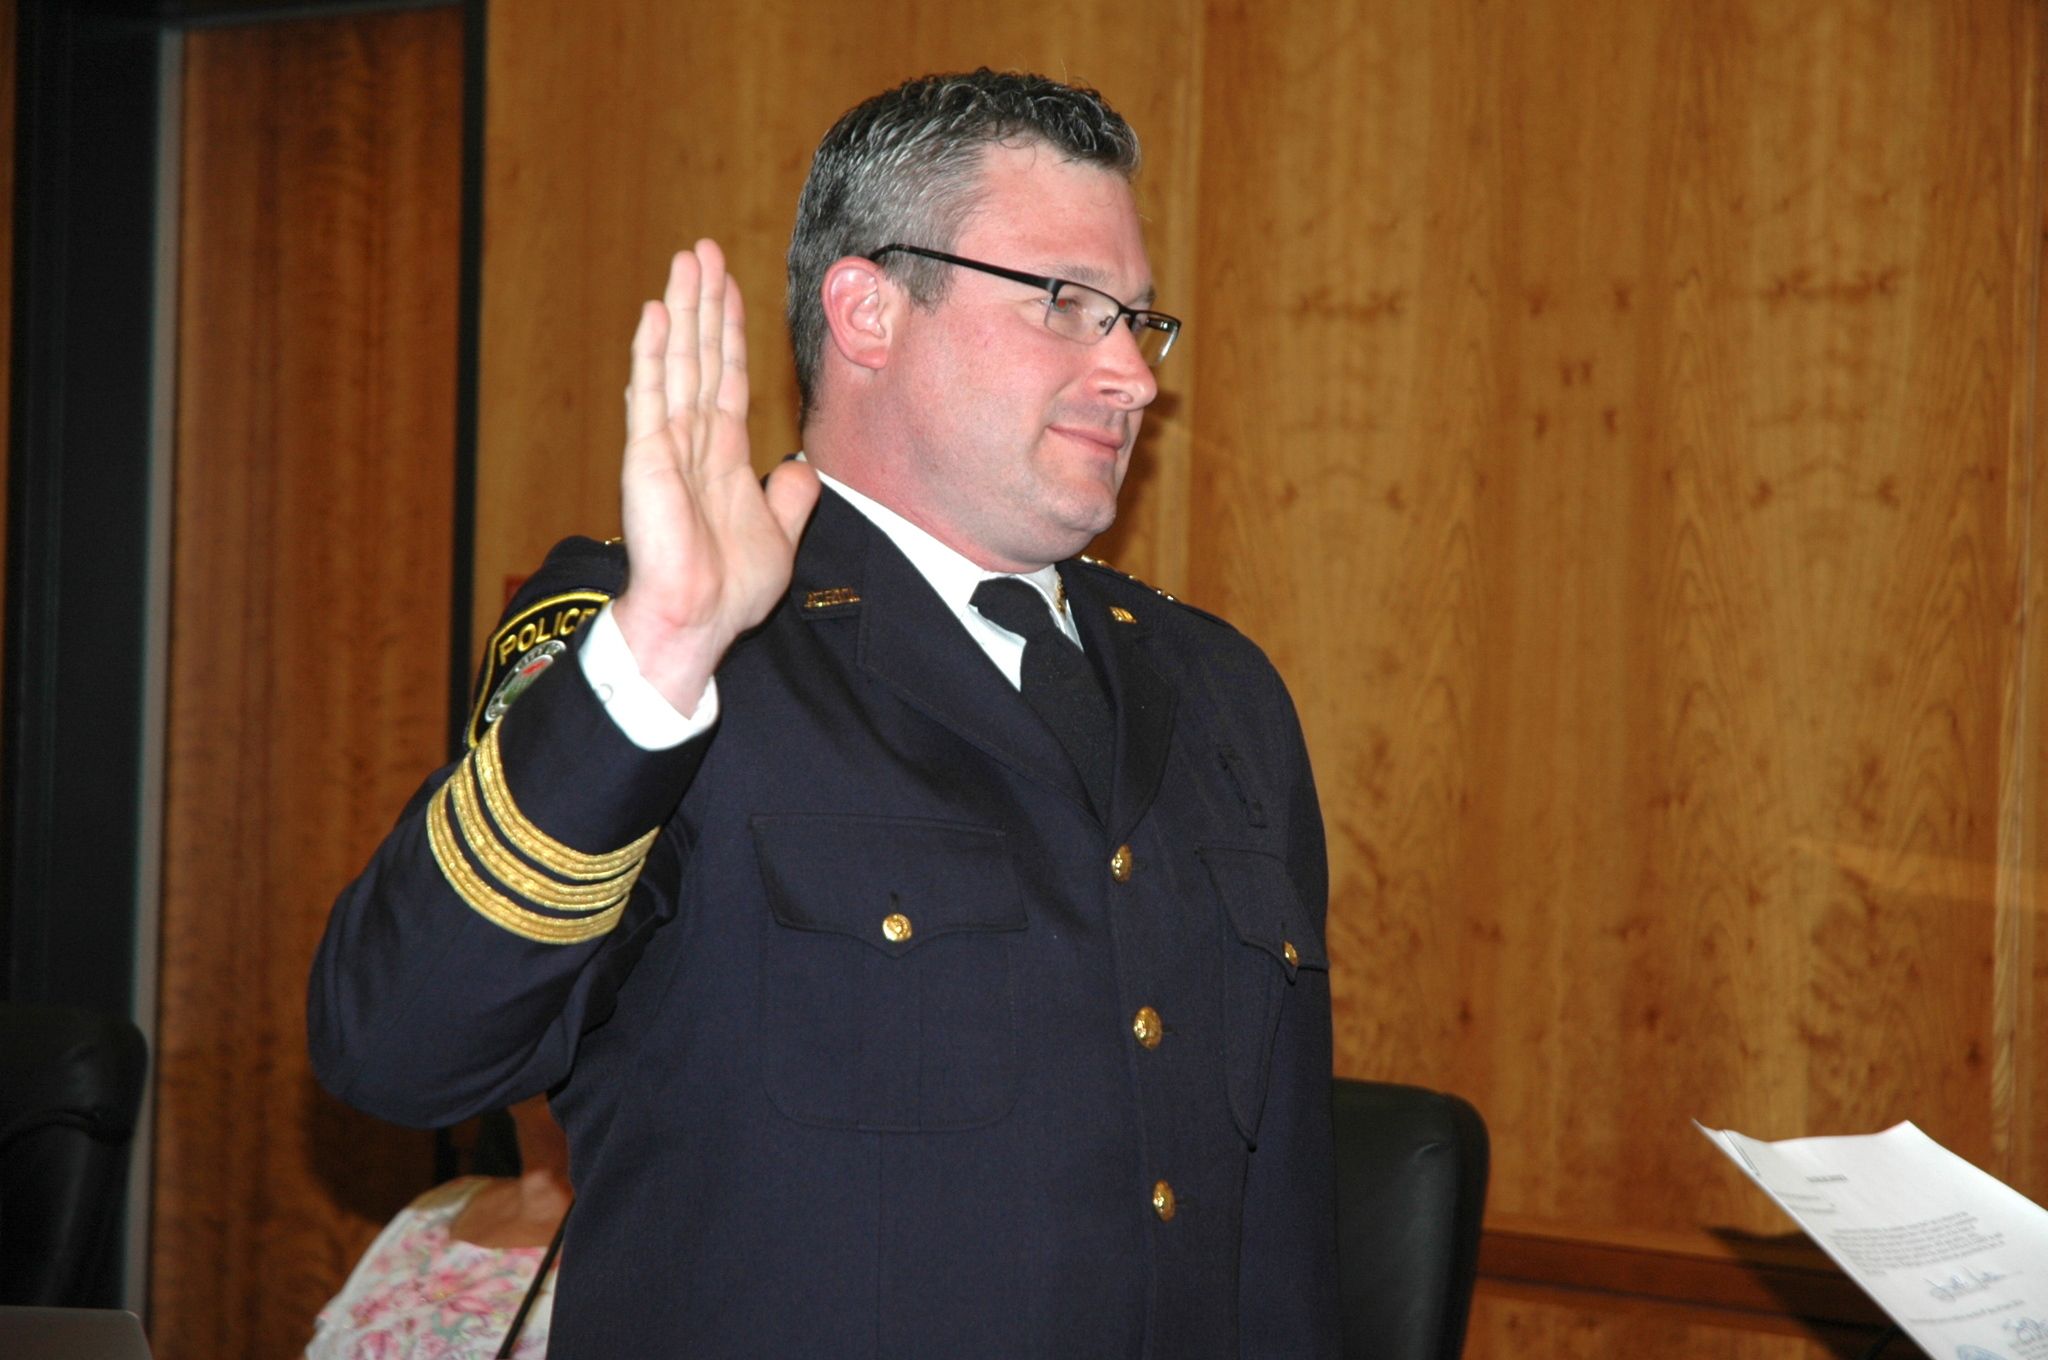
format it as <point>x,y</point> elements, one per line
<point>895,1047</point>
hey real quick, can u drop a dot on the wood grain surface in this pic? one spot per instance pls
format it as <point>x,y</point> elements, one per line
<point>316,408</point>
<point>1640,540</point>
<point>1511,1320</point>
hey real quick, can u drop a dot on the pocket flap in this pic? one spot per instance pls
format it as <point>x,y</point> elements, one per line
<point>1264,907</point>
<point>892,882</point>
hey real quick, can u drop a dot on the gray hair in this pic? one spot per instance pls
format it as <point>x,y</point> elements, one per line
<point>904,167</point>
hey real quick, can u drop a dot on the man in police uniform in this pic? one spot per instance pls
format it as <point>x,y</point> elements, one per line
<point>921,966</point>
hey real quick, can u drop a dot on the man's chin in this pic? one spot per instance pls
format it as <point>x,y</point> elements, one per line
<point>1084,531</point>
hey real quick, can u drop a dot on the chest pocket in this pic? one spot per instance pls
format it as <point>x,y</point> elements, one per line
<point>1272,941</point>
<point>887,988</point>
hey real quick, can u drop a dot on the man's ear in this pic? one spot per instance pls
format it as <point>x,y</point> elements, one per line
<point>861,305</point>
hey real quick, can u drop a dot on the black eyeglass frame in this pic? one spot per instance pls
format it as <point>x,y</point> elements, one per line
<point>1138,316</point>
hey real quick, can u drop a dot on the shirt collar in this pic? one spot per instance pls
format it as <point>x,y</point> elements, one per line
<point>951,573</point>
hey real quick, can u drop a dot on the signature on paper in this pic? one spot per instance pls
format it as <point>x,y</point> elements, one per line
<point>2025,1330</point>
<point>1969,1282</point>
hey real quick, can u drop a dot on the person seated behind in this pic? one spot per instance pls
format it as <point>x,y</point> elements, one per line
<point>447,1277</point>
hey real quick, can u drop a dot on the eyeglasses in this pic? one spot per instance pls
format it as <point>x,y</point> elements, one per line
<point>1072,310</point>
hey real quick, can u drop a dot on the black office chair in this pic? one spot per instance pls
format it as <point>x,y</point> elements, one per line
<point>1411,1190</point>
<point>70,1088</point>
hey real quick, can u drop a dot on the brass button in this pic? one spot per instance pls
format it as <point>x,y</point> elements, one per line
<point>895,927</point>
<point>1287,951</point>
<point>1162,1201</point>
<point>1120,864</point>
<point>1145,1024</point>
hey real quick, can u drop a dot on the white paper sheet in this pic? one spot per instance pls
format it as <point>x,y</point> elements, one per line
<point>1956,1256</point>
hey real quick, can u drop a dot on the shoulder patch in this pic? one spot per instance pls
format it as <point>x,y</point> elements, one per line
<point>526,644</point>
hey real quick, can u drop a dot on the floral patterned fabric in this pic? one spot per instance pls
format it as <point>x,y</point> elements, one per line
<point>419,1294</point>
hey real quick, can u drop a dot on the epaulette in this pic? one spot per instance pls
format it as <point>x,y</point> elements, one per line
<point>578,578</point>
<point>1113,572</point>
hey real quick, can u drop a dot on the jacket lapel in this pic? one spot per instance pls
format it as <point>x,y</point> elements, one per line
<point>910,641</point>
<point>1143,698</point>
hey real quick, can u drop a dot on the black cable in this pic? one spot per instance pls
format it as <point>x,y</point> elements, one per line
<point>532,1292</point>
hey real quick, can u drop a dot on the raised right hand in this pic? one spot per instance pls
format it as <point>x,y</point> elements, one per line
<point>709,551</point>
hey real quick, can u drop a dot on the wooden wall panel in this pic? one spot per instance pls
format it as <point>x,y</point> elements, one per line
<point>1563,1325</point>
<point>2020,959</point>
<point>317,334</point>
<point>1643,444</point>
<point>1619,421</point>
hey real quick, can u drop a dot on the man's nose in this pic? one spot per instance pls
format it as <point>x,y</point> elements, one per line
<point>1122,374</point>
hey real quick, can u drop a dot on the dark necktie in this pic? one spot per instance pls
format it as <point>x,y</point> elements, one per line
<point>1059,684</point>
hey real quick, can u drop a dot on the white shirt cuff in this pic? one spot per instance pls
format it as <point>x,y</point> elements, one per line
<point>649,721</point>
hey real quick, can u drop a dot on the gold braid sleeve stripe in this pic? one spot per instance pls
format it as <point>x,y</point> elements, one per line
<point>512,871</point>
<point>536,844</point>
<point>494,906</point>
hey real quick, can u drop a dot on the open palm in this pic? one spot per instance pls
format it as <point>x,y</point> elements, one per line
<point>709,548</point>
